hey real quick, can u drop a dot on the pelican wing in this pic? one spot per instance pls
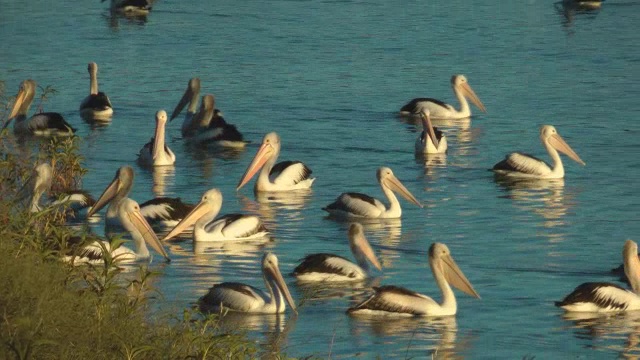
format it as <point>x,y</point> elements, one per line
<point>327,264</point>
<point>356,204</point>
<point>99,101</point>
<point>604,296</point>
<point>416,105</point>
<point>289,173</point>
<point>236,226</point>
<point>164,208</point>
<point>48,121</point>
<point>395,299</point>
<point>234,296</point>
<point>76,200</point>
<point>523,163</point>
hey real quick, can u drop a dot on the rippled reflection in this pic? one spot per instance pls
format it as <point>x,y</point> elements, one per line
<point>432,163</point>
<point>544,198</point>
<point>568,9</point>
<point>434,337</point>
<point>269,205</point>
<point>608,332</point>
<point>163,176</point>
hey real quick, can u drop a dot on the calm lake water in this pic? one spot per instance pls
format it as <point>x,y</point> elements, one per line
<point>329,76</point>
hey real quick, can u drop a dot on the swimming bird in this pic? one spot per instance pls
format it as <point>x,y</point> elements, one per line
<point>584,4</point>
<point>330,267</point>
<point>284,176</point>
<point>155,152</point>
<point>228,227</point>
<point>431,140</point>
<point>96,106</point>
<point>395,300</point>
<point>139,229</point>
<point>208,126</point>
<point>40,182</point>
<point>41,124</point>
<point>441,110</point>
<point>608,297</point>
<point>519,165</point>
<point>357,205</point>
<point>232,296</point>
<point>161,212</point>
<point>131,7</point>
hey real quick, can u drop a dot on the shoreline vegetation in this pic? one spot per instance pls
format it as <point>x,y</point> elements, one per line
<point>52,310</point>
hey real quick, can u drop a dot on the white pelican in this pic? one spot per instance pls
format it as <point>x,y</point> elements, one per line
<point>431,140</point>
<point>607,297</point>
<point>43,124</point>
<point>394,300</point>
<point>330,267</point>
<point>208,126</point>
<point>155,152</point>
<point>96,106</point>
<point>40,182</point>
<point>357,205</point>
<point>131,7</point>
<point>441,110</point>
<point>232,296</point>
<point>519,165</point>
<point>139,229</point>
<point>225,228</point>
<point>284,176</point>
<point>160,212</point>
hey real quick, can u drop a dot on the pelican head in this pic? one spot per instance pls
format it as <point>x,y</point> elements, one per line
<point>133,221</point>
<point>428,127</point>
<point>207,108</point>
<point>549,135</point>
<point>210,203</point>
<point>460,82</point>
<point>269,150</point>
<point>390,181</point>
<point>273,277</point>
<point>441,262</point>
<point>24,98</point>
<point>190,96</point>
<point>631,264</point>
<point>121,184</point>
<point>360,246</point>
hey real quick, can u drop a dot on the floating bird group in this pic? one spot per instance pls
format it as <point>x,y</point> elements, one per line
<point>203,223</point>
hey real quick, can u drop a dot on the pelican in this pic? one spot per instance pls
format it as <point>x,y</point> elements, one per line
<point>42,124</point>
<point>440,110</point>
<point>329,267</point>
<point>395,300</point>
<point>155,152</point>
<point>225,228</point>
<point>584,4</point>
<point>190,97</point>
<point>97,104</point>
<point>519,165</point>
<point>208,126</point>
<point>40,182</point>
<point>431,140</point>
<point>160,212</point>
<point>284,176</point>
<point>607,297</point>
<point>357,205</point>
<point>131,7</point>
<point>239,297</point>
<point>139,229</point>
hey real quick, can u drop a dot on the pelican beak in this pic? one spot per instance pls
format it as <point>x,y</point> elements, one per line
<point>394,184</point>
<point>264,153</point>
<point>188,94</point>
<point>17,104</point>
<point>148,234</point>
<point>559,144</point>
<point>471,95</point>
<point>428,128</point>
<point>456,278</point>
<point>199,211</point>
<point>108,194</point>
<point>277,277</point>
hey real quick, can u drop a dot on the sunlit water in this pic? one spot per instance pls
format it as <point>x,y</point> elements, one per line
<point>328,76</point>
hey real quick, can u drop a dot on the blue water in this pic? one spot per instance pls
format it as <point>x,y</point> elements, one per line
<point>329,76</point>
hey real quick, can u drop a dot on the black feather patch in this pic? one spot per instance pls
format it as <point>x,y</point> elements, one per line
<point>235,286</point>
<point>412,106</point>
<point>281,166</point>
<point>49,120</point>
<point>317,263</point>
<point>588,293</point>
<point>175,207</point>
<point>377,302</point>
<point>99,101</point>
